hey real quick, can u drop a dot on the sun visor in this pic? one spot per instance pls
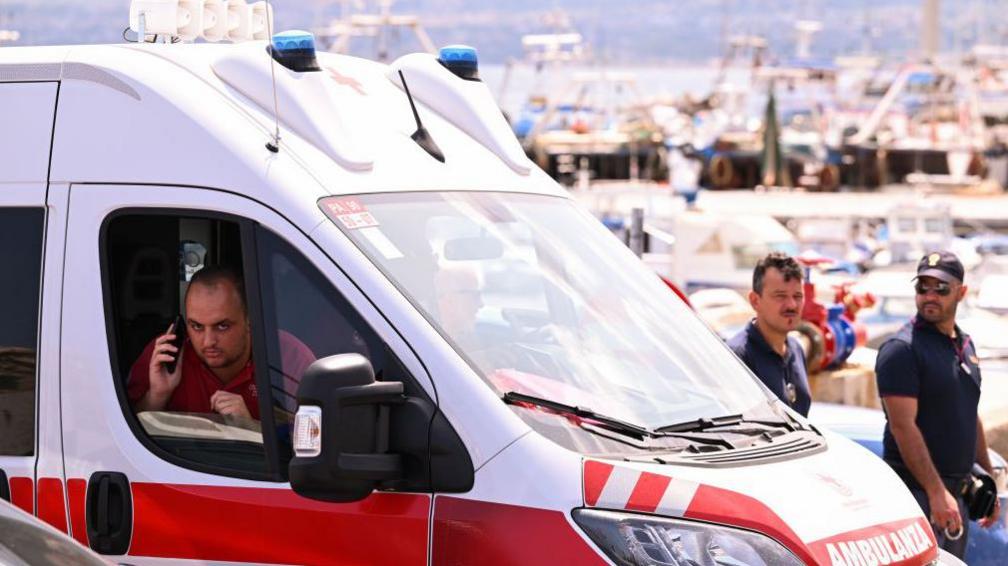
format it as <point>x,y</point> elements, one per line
<point>466,104</point>
<point>308,102</point>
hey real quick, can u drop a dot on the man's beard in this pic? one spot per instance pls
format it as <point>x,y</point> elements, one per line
<point>939,313</point>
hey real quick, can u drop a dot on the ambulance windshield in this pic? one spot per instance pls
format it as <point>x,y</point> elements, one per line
<point>541,300</point>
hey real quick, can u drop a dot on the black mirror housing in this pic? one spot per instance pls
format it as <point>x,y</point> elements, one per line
<point>355,456</point>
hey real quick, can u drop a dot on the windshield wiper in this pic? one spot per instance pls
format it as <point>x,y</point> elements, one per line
<point>702,423</point>
<point>611,423</point>
<point>727,423</point>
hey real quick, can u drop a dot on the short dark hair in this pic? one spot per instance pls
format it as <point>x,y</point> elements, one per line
<point>780,261</point>
<point>213,275</point>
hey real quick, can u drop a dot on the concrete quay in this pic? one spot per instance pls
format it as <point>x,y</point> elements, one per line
<point>990,210</point>
<point>855,385</point>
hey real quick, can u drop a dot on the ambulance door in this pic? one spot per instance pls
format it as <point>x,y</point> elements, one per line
<point>26,112</point>
<point>188,485</point>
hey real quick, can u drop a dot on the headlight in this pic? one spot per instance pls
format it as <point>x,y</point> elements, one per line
<point>643,540</point>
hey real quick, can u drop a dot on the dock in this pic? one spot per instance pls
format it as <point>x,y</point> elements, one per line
<point>967,209</point>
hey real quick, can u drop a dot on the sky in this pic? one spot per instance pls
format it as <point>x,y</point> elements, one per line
<point>621,31</point>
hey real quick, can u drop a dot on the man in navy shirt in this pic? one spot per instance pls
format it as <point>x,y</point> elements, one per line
<point>764,345</point>
<point>929,382</point>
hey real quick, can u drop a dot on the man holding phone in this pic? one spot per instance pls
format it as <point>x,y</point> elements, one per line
<point>213,370</point>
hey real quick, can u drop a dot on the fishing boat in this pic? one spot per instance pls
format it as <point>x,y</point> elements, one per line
<point>926,129</point>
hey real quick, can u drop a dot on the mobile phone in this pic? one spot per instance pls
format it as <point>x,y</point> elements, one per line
<point>179,329</point>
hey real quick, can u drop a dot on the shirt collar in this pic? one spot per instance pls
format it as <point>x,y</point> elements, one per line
<point>922,324</point>
<point>754,335</point>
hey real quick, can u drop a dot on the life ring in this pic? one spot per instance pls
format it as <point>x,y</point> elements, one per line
<point>977,166</point>
<point>829,177</point>
<point>722,171</point>
<point>813,343</point>
<point>580,127</point>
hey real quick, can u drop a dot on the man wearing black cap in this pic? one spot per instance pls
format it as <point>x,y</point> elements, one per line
<point>929,380</point>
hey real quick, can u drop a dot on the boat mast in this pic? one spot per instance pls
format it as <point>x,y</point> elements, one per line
<point>337,35</point>
<point>930,29</point>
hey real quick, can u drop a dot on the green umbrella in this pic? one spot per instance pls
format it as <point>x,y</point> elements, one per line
<point>773,166</point>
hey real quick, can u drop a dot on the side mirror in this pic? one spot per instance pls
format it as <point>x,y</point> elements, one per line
<point>341,431</point>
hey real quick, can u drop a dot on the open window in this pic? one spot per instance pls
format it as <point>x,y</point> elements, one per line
<point>150,260</point>
<point>294,316</point>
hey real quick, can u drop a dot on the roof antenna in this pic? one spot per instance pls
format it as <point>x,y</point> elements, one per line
<point>274,144</point>
<point>421,136</point>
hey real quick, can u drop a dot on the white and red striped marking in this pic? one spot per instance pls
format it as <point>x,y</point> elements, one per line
<point>618,487</point>
<point>610,486</point>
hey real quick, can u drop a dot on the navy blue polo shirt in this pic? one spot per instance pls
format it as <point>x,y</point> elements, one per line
<point>943,374</point>
<point>774,370</point>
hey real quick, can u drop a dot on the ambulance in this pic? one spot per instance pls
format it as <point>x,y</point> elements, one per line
<point>494,378</point>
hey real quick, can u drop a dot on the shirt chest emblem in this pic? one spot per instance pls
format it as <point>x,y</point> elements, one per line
<point>791,392</point>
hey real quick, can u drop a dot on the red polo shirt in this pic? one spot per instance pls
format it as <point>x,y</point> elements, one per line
<point>198,383</point>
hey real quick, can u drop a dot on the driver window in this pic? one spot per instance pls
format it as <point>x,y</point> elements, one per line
<point>204,411</point>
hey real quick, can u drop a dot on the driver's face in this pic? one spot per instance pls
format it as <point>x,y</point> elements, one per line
<point>217,325</point>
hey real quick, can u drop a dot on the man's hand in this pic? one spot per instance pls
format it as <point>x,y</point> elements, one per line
<point>945,511</point>
<point>988,521</point>
<point>902,414</point>
<point>231,404</point>
<point>983,458</point>
<point>162,383</point>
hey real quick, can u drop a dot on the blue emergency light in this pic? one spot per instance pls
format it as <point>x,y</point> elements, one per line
<point>295,49</point>
<point>460,60</point>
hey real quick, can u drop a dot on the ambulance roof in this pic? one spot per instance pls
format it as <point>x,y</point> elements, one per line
<point>201,115</point>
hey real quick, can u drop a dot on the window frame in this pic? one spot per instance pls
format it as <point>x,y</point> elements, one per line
<point>412,385</point>
<point>41,211</point>
<point>250,273</point>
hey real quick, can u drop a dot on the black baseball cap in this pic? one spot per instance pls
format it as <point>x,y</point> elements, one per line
<point>943,265</point>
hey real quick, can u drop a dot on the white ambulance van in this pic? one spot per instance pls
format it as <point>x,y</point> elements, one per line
<point>497,380</point>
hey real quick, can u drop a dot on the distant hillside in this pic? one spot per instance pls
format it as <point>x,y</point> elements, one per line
<point>625,31</point>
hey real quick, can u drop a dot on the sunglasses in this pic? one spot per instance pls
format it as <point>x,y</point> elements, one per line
<point>942,289</point>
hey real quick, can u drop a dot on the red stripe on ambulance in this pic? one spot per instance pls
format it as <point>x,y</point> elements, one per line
<point>596,474</point>
<point>481,532</point>
<point>76,497</point>
<point>731,508</point>
<point>51,507</point>
<point>277,525</point>
<point>648,492</point>
<point>22,492</point>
